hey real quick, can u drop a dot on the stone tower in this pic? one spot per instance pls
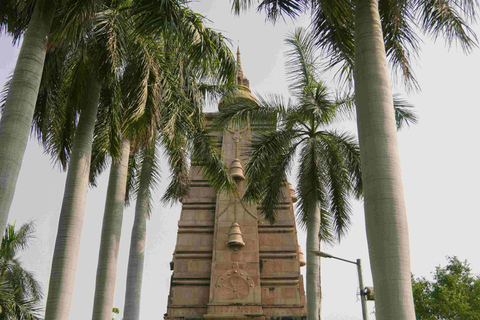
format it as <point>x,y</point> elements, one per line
<point>229,263</point>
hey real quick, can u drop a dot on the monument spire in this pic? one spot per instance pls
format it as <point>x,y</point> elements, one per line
<point>241,79</point>
<point>239,62</point>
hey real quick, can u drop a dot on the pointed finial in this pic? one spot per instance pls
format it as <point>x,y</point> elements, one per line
<point>239,62</point>
<point>238,55</point>
<point>241,79</point>
<point>242,82</point>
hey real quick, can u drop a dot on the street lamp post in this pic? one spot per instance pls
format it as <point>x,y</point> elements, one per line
<point>358,263</point>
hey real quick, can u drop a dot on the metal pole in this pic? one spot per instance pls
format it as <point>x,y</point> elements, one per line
<point>362,294</point>
<point>360,279</point>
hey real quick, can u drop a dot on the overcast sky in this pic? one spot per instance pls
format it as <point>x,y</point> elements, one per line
<point>439,161</point>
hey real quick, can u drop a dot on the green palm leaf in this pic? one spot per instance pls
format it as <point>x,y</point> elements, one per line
<point>20,292</point>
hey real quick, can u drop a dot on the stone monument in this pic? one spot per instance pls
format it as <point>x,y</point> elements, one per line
<point>228,263</point>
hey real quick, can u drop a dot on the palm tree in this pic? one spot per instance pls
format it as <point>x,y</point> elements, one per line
<point>386,220</point>
<point>142,88</point>
<point>111,231</point>
<point>151,80</point>
<point>139,234</point>
<point>20,102</point>
<point>329,161</point>
<point>93,56</point>
<point>20,292</point>
<point>83,59</point>
<point>74,58</point>
<point>11,308</point>
<point>176,123</point>
<point>380,29</point>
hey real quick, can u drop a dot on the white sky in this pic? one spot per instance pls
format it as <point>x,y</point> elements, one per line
<point>437,155</point>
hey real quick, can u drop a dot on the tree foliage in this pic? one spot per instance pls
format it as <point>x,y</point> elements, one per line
<point>20,293</point>
<point>454,293</point>
<point>329,161</point>
<point>332,24</point>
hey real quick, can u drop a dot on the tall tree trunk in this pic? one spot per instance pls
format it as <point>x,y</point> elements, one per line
<point>319,284</point>
<point>386,220</point>
<point>313,262</point>
<point>17,115</point>
<point>111,231</point>
<point>67,245</point>
<point>137,245</point>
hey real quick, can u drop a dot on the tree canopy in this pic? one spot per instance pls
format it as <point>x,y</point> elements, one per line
<point>20,292</point>
<point>454,293</point>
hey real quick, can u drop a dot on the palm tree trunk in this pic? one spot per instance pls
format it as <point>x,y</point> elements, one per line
<point>319,284</point>
<point>137,245</point>
<point>17,115</point>
<point>111,231</point>
<point>67,245</point>
<point>386,220</point>
<point>313,262</point>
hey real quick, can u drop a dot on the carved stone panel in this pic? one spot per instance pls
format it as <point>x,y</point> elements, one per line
<point>234,285</point>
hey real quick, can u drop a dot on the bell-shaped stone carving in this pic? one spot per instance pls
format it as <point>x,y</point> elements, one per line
<point>236,170</point>
<point>301,257</point>
<point>235,237</point>
<point>292,192</point>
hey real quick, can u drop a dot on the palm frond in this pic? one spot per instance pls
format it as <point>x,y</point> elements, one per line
<point>326,232</point>
<point>237,111</point>
<point>267,150</point>
<point>59,102</point>
<point>272,188</point>
<point>110,31</point>
<point>149,176</point>
<point>275,9</point>
<point>4,93</point>
<point>208,156</point>
<point>242,5</point>
<point>176,151</point>
<point>310,178</point>
<point>332,28</point>
<point>345,105</point>
<point>132,175</point>
<point>206,51</point>
<point>14,240</point>
<point>24,282</point>
<point>317,107</point>
<point>20,292</point>
<point>301,63</point>
<point>348,148</point>
<point>447,18</point>
<point>76,20</point>
<point>158,16</point>
<point>401,41</point>
<point>15,16</point>
<point>14,308</point>
<point>337,179</point>
<point>107,137</point>
<point>404,114</point>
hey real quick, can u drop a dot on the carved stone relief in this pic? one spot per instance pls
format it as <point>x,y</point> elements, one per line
<point>234,284</point>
